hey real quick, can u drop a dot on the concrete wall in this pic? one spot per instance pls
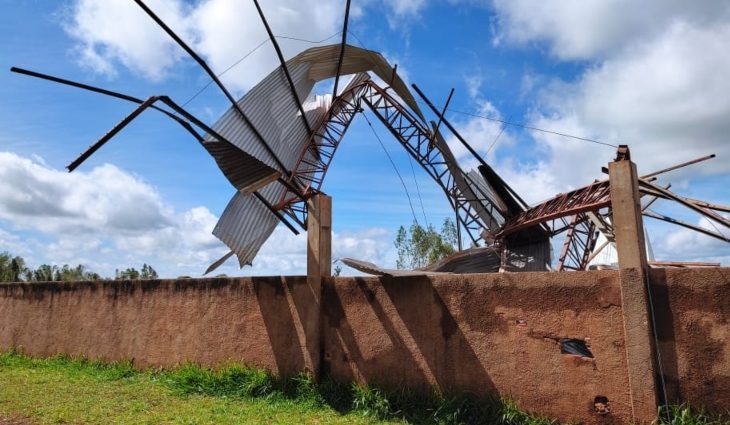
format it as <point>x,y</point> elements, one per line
<point>492,334</point>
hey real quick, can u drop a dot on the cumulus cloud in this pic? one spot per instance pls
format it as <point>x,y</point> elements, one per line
<point>105,218</point>
<point>108,219</point>
<point>585,30</point>
<point>110,33</point>
<point>655,80</point>
<point>113,33</point>
<point>685,244</point>
<point>286,253</point>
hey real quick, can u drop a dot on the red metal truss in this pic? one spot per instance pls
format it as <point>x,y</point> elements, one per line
<point>315,158</point>
<point>589,198</point>
<point>580,240</point>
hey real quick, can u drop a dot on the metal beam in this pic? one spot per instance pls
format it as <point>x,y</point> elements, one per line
<point>215,79</point>
<point>342,49</point>
<point>657,216</point>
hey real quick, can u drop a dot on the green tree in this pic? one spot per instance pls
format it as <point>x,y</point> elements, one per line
<point>12,269</point>
<point>418,246</point>
<point>45,273</point>
<point>133,274</point>
<point>148,272</point>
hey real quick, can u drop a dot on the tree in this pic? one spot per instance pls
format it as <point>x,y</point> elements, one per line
<point>133,274</point>
<point>418,246</point>
<point>12,269</point>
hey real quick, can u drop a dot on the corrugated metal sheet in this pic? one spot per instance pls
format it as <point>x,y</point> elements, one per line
<point>370,268</point>
<point>473,260</point>
<point>245,172</point>
<point>324,61</point>
<point>246,223</point>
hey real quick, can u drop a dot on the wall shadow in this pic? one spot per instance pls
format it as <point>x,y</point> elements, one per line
<point>280,324</point>
<point>445,359</point>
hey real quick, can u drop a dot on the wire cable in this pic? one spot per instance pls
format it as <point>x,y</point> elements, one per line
<point>225,70</point>
<point>413,211</point>
<point>418,190</point>
<point>309,41</point>
<point>202,89</point>
<point>494,142</point>
<point>528,127</point>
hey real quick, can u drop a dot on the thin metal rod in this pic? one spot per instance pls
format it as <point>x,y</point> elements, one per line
<point>87,87</point>
<point>212,75</point>
<point>116,129</point>
<point>443,111</point>
<point>674,167</point>
<point>149,104</point>
<point>284,68</point>
<point>342,49</point>
<point>273,210</point>
<point>709,214</point>
<point>448,124</point>
<point>652,214</point>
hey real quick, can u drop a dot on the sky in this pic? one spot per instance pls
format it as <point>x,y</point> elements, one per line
<point>654,78</point>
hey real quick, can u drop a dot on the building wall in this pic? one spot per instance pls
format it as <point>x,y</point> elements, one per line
<point>493,334</point>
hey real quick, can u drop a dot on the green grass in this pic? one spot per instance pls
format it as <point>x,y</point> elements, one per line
<point>65,390</point>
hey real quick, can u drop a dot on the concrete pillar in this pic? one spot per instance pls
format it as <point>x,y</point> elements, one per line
<point>629,231</point>
<point>319,266</point>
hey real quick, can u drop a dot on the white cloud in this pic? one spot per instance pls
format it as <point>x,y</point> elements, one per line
<point>481,134</point>
<point>110,33</point>
<point>685,244</point>
<point>657,83</point>
<point>104,218</point>
<point>587,29</point>
<point>108,219</point>
<point>119,31</point>
<point>286,254</point>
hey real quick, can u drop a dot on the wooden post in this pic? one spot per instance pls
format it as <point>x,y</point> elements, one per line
<point>629,231</point>
<point>319,266</point>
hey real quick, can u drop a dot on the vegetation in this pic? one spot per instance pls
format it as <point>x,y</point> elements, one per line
<point>14,269</point>
<point>418,246</point>
<point>61,390</point>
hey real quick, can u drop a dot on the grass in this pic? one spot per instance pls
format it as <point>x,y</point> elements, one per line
<point>65,390</point>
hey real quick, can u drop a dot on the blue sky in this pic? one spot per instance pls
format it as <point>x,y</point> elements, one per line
<point>655,80</point>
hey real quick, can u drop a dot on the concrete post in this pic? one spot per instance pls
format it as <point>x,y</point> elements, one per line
<point>629,232</point>
<point>319,266</point>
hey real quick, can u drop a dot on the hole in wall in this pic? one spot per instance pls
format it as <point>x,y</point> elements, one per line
<point>601,405</point>
<point>575,347</point>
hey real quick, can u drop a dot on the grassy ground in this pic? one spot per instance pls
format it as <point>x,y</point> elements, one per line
<point>62,390</point>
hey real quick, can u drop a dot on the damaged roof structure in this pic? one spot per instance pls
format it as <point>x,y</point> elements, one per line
<point>275,144</point>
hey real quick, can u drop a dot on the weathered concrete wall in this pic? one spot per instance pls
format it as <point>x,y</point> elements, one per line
<point>491,334</point>
<point>693,321</point>
<point>160,323</point>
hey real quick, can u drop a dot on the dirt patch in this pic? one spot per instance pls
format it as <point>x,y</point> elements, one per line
<point>7,420</point>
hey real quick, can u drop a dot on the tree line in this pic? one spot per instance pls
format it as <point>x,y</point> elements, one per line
<point>15,269</point>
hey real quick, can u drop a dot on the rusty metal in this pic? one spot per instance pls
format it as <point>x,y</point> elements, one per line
<point>314,160</point>
<point>675,167</point>
<point>590,198</point>
<point>580,240</point>
<point>686,202</point>
<point>417,141</point>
